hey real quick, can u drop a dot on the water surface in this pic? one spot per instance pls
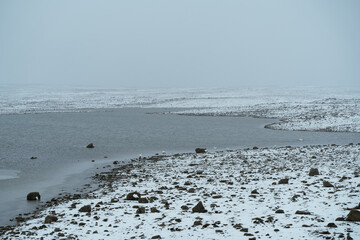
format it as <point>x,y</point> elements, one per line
<point>58,141</point>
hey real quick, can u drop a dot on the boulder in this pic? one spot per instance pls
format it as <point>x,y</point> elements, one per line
<point>200,150</point>
<point>50,219</point>
<point>327,184</point>
<point>353,216</point>
<point>90,145</point>
<point>314,172</point>
<point>33,196</point>
<point>199,208</point>
<point>134,196</point>
<point>86,208</point>
<point>284,181</point>
<point>140,210</point>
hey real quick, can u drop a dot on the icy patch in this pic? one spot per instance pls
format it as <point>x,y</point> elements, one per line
<point>8,174</point>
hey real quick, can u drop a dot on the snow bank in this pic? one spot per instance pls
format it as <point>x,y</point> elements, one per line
<point>240,191</point>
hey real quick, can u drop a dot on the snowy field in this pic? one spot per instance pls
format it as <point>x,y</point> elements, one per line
<point>312,109</point>
<point>245,194</point>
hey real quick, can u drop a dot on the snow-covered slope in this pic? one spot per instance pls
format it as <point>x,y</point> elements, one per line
<point>243,193</point>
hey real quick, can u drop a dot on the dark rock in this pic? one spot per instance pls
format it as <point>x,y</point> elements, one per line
<point>154,210</point>
<point>327,184</point>
<point>184,207</point>
<point>140,210</point>
<point>156,237</point>
<point>199,208</point>
<point>284,181</point>
<point>314,172</point>
<point>254,192</point>
<point>86,208</point>
<point>332,225</point>
<point>237,226</point>
<point>33,196</point>
<point>200,150</point>
<point>33,158</point>
<point>255,148</point>
<point>353,216</point>
<point>133,196</point>
<point>302,212</point>
<point>197,223</point>
<point>279,211</point>
<point>191,190</point>
<point>90,145</point>
<point>143,200</point>
<point>50,219</point>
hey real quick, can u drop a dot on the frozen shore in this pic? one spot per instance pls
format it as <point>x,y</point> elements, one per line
<point>243,192</point>
<point>306,108</point>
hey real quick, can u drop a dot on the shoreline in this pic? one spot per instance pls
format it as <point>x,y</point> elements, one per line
<point>118,181</point>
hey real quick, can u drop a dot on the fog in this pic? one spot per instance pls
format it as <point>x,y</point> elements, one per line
<point>180,44</point>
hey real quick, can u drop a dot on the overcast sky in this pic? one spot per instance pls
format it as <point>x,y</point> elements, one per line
<point>152,44</point>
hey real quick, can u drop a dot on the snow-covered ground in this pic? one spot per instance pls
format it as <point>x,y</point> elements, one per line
<point>311,109</point>
<point>240,190</point>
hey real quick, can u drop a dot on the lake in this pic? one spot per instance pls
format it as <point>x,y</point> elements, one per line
<point>63,163</point>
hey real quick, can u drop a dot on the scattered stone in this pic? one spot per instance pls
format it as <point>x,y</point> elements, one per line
<point>33,196</point>
<point>140,210</point>
<point>197,223</point>
<point>156,237</point>
<point>200,150</point>
<point>134,196</point>
<point>279,211</point>
<point>143,200</point>
<point>314,172</point>
<point>90,145</point>
<point>254,192</point>
<point>302,212</point>
<point>327,184</point>
<point>50,219</point>
<point>86,208</point>
<point>154,210</point>
<point>199,208</point>
<point>353,216</point>
<point>332,225</point>
<point>284,181</point>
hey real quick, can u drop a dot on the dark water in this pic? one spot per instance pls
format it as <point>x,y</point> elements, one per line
<point>58,141</point>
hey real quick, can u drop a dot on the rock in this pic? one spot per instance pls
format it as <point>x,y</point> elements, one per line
<point>154,210</point>
<point>191,190</point>
<point>302,212</point>
<point>284,181</point>
<point>200,150</point>
<point>255,148</point>
<point>156,237</point>
<point>279,211</point>
<point>140,210</point>
<point>32,158</point>
<point>199,208</point>
<point>143,200</point>
<point>133,196</point>
<point>332,225</point>
<point>33,196</point>
<point>353,216</point>
<point>184,207</point>
<point>86,208</point>
<point>90,145</point>
<point>197,223</point>
<point>314,172</point>
<point>50,219</point>
<point>254,192</point>
<point>327,184</point>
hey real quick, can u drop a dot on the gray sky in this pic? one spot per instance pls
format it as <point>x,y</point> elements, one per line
<point>152,44</point>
